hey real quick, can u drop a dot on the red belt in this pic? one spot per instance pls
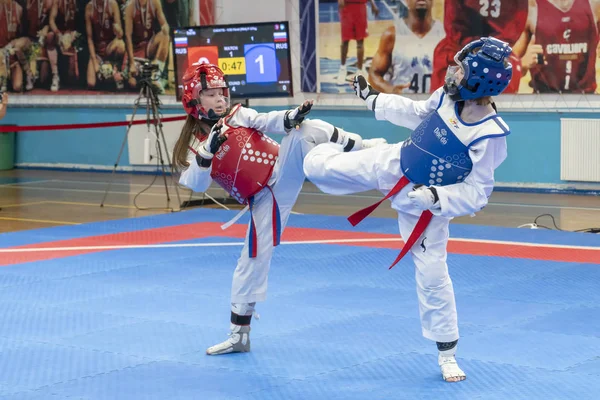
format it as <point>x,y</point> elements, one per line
<point>420,227</point>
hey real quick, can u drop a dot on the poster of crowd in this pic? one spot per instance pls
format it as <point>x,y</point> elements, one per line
<point>405,46</point>
<point>87,46</point>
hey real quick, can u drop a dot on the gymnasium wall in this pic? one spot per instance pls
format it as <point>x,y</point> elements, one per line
<point>534,145</point>
<point>98,148</point>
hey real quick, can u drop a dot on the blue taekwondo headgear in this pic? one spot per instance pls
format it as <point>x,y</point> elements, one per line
<point>487,71</point>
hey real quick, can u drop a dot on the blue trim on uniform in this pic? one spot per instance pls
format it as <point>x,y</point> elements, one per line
<point>441,101</point>
<point>277,225</point>
<point>501,125</point>
<point>251,233</point>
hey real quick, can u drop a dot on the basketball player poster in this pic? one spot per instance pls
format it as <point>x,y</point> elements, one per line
<point>88,46</point>
<point>405,46</point>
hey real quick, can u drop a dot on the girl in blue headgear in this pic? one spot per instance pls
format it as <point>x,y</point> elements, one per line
<point>444,170</point>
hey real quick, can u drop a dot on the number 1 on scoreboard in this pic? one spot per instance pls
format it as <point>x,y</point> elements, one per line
<point>261,63</point>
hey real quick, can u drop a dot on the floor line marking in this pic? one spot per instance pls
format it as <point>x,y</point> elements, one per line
<point>90,191</point>
<point>76,203</point>
<point>44,221</point>
<point>26,183</point>
<point>33,203</point>
<point>492,203</point>
<point>295,242</point>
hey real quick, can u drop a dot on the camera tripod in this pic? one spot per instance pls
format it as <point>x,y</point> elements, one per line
<point>153,117</point>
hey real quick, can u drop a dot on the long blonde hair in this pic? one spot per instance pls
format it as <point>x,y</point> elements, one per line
<point>180,151</point>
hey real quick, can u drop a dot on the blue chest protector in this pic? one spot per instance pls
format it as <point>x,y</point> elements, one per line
<point>437,153</point>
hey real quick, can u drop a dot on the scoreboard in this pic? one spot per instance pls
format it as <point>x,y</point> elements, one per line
<point>254,57</point>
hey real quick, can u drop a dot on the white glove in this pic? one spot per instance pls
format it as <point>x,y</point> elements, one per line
<point>364,91</point>
<point>422,197</point>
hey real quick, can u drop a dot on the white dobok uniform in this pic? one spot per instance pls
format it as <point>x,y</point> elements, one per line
<point>250,276</point>
<point>436,124</point>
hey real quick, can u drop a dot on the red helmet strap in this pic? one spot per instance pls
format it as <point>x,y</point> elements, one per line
<point>193,102</point>
<point>203,84</point>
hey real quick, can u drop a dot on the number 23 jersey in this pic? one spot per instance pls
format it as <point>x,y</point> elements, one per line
<point>467,20</point>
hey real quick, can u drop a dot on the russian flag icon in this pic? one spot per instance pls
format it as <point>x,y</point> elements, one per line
<point>181,41</point>
<point>280,36</point>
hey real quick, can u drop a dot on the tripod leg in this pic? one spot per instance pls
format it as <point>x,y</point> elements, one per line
<point>161,136</point>
<point>135,108</point>
<point>153,103</point>
<point>162,166</point>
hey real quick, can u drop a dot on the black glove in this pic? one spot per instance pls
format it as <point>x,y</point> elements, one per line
<point>293,118</point>
<point>210,146</point>
<point>364,91</point>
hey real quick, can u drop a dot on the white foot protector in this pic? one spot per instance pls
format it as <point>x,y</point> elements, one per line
<point>238,342</point>
<point>450,369</point>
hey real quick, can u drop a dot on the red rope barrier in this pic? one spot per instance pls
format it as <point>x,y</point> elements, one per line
<point>83,126</point>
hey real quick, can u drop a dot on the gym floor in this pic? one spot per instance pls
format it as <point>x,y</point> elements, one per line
<point>32,199</point>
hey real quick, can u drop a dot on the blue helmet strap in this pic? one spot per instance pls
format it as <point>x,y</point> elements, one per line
<point>465,79</point>
<point>464,53</point>
<point>495,49</point>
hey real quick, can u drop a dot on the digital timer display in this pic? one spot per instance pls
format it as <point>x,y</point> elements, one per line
<point>255,57</point>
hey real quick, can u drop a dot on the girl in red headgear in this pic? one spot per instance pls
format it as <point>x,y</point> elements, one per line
<point>229,146</point>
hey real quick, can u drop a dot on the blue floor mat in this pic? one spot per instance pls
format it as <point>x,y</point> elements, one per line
<point>337,324</point>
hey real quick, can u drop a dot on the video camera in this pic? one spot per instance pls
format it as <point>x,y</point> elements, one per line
<point>147,70</point>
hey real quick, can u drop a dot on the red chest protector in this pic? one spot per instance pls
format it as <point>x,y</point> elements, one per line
<point>244,163</point>
<point>243,166</point>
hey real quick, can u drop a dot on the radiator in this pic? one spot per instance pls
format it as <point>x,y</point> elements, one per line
<point>580,149</point>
